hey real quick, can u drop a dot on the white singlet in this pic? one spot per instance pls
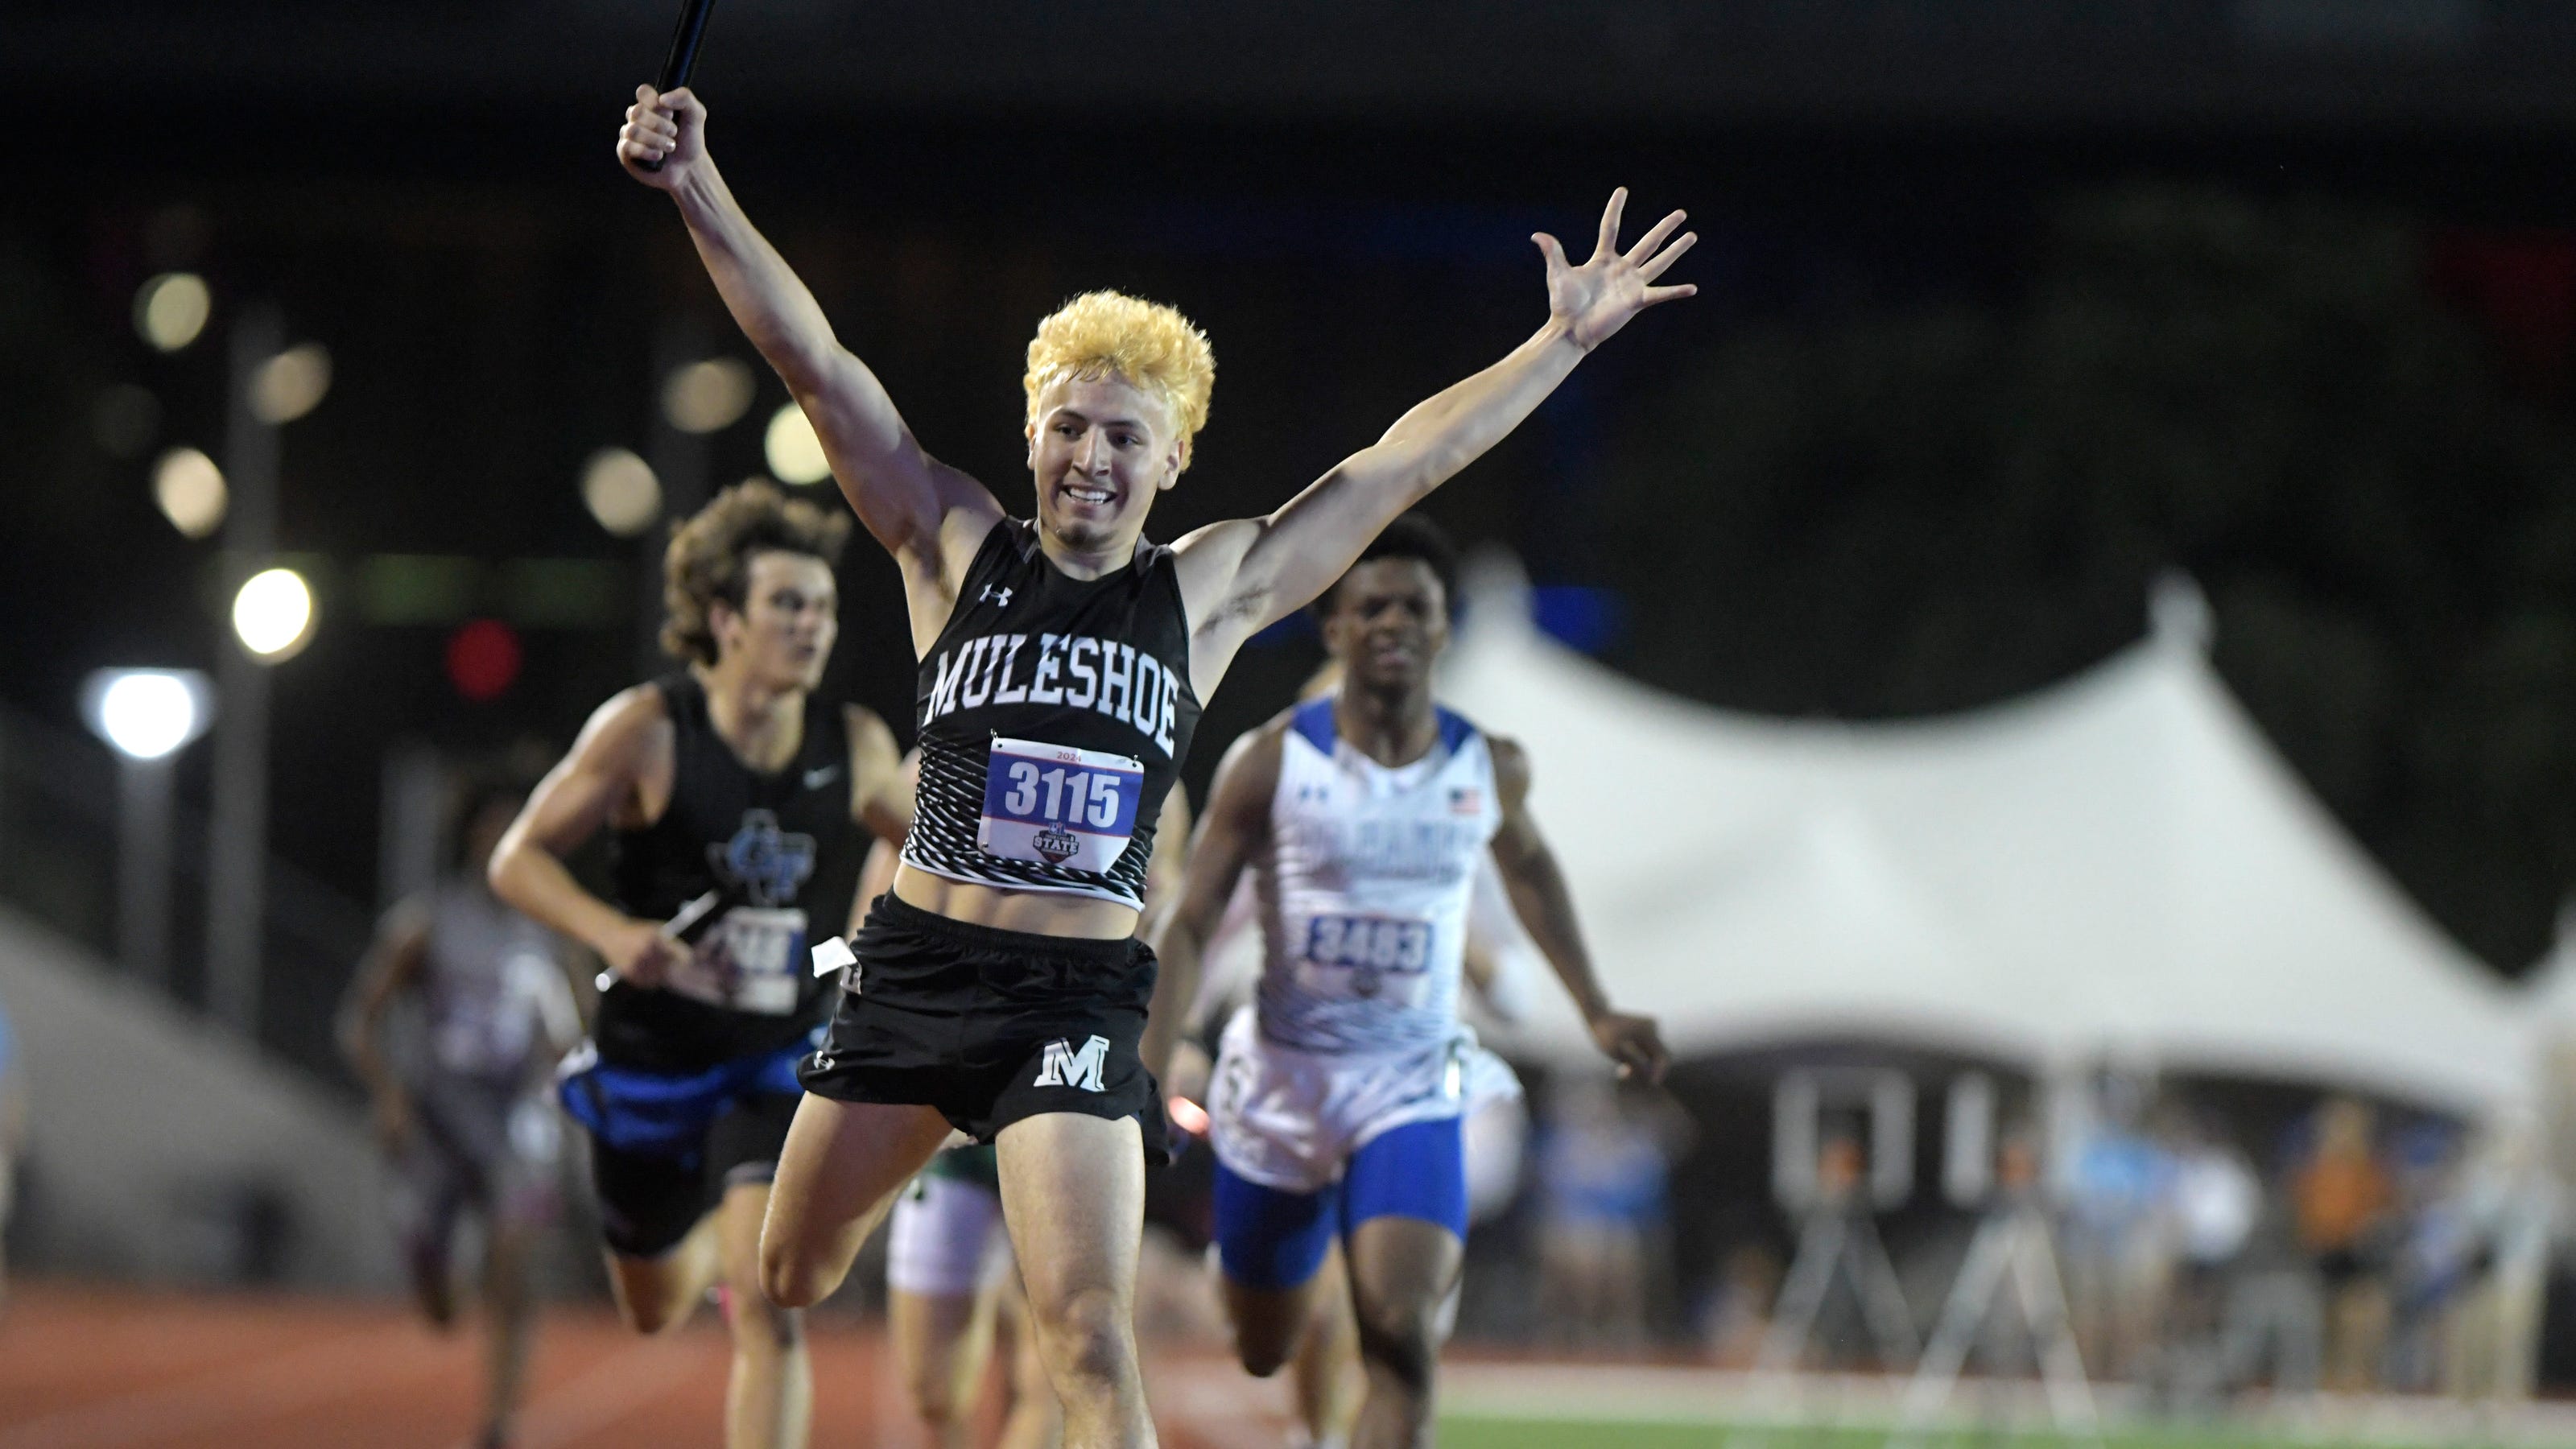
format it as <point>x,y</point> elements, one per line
<point>1364,887</point>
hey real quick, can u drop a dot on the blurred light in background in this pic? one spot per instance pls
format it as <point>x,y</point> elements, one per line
<point>171,309</point>
<point>273,614</point>
<point>621,492</point>
<point>190,489</point>
<point>482,659</point>
<point>124,419</point>
<point>795,454</point>
<point>1587,620</point>
<point>704,397</point>
<point>291,384</point>
<point>145,714</point>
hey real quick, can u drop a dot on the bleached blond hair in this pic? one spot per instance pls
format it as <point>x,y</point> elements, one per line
<point>1144,344</point>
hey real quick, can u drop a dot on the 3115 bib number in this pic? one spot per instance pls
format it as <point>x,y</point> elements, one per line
<point>1056,805</point>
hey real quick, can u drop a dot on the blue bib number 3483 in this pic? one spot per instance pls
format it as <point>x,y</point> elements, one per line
<point>1056,805</point>
<point>1371,957</point>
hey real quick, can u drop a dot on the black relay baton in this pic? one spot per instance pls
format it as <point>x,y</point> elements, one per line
<point>683,57</point>
<point>691,923</point>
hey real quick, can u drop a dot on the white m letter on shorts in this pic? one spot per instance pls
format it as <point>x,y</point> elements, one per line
<point>1062,1066</point>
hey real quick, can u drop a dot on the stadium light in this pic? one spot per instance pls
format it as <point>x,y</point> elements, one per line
<point>707,396</point>
<point>621,492</point>
<point>190,491</point>
<point>291,384</point>
<point>794,452</point>
<point>147,716</point>
<point>273,614</point>
<point>171,309</point>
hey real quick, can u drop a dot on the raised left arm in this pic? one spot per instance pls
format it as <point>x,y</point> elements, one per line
<point>1546,908</point>
<point>1240,577</point>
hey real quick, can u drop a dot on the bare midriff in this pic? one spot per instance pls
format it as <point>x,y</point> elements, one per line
<point>1038,913</point>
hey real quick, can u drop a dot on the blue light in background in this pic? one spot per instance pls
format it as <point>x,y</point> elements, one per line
<point>1583,618</point>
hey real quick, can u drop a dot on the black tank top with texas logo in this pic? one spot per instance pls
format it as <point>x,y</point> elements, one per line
<point>757,865</point>
<point>1054,715</point>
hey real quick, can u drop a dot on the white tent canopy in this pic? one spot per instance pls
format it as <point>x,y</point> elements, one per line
<point>2118,866</point>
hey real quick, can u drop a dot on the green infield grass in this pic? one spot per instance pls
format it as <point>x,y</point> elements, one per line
<point>1477,1432</point>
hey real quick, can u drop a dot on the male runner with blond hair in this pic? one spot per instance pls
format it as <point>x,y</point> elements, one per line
<point>999,987</point>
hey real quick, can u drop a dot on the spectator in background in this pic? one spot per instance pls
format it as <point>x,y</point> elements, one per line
<point>1738,1315</point>
<point>2118,1188</point>
<point>462,1115</point>
<point>2340,1198</point>
<point>2214,1201</point>
<point>1601,1183</point>
<point>2435,1250</point>
<point>2511,1205</point>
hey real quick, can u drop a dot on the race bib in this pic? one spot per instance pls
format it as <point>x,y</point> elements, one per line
<point>1056,805</point>
<point>1373,958</point>
<point>750,962</point>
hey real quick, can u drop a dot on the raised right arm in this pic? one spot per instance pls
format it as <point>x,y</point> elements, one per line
<point>920,509</point>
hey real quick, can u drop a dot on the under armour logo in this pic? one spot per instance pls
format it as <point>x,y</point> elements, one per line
<point>1061,1066</point>
<point>822,1062</point>
<point>1001,598</point>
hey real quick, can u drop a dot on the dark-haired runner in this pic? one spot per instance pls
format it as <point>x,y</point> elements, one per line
<point>1338,1096</point>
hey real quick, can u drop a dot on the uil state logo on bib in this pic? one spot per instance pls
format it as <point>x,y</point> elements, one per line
<point>1056,805</point>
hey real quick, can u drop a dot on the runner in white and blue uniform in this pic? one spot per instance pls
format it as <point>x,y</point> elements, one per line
<point>1337,1097</point>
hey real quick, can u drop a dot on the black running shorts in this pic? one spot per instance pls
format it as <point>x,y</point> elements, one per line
<point>990,1026</point>
<point>648,1202</point>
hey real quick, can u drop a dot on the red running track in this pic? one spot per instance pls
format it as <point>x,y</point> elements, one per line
<point>99,1368</point>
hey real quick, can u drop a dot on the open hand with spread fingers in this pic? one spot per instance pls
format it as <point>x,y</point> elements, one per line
<point>1596,299</point>
<point>667,127</point>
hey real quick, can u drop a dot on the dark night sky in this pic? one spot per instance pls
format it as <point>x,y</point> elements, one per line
<point>493,293</point>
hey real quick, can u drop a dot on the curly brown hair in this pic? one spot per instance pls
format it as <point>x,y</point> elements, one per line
<point>709,558</point>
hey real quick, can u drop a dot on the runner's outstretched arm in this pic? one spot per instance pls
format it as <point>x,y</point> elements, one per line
<point>917,507</point>
<point>1546,908</point>
<point>1256,571</point>
<point>1236,820</point>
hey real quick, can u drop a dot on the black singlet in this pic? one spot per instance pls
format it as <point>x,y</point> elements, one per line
<point>785,854</point>
<point>1054,715</point>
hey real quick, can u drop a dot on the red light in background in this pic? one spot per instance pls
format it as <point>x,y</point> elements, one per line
<point>482,658</point>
